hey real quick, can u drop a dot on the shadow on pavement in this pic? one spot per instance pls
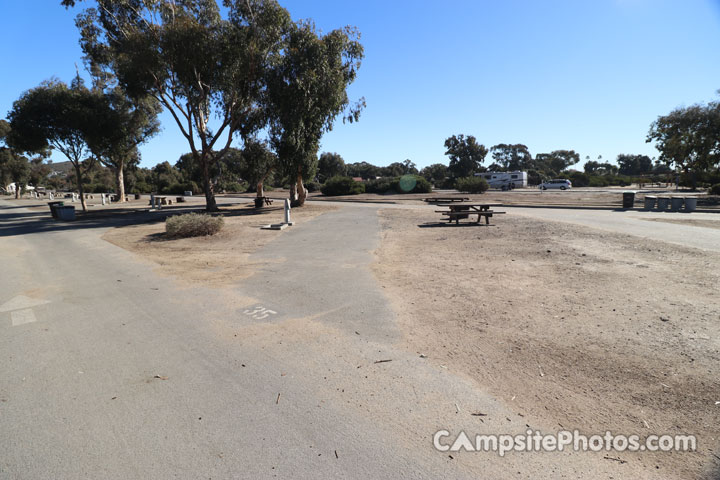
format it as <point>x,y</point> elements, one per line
<point>26,223</point>
<point>454,225</point>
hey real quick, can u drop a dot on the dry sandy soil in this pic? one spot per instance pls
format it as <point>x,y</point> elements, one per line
<point>217,260</point>
<point>580,328</point>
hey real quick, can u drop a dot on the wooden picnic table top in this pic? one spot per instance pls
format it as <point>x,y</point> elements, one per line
<point>449,199</point>
<point>469,204</point>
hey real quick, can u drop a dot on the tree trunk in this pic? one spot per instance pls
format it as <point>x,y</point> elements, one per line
<point>300,191</point>
<point>78,176</point>
<point>210,204</point>
<point>120,181</point>
<point>17,190</point>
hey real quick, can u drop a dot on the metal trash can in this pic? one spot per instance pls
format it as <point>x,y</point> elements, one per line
<point>676,203</point>
<point>650,202</point>
<point>65,212</point>
<point>663,203</point>
<point>690,204</point>
<point>628,199</point>
<point>53,207</point>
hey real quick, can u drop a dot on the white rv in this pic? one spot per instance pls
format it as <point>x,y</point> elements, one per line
<point>505,180</point>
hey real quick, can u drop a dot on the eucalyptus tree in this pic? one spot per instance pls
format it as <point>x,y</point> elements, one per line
<point>331,165</point>
<point>689,137</point>
<point>55,116</point>
<point>125,124</point>
<point>306,92</point>
<point>466,155</point>
<point>258,163</point>
<point>511,157</point>
<point>205,70</point>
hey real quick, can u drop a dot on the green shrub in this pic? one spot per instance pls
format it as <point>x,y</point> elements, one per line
<point>578,179</point>
<point>597,181</point>
<point>235,187</point>
<point>715,189</point>
<point>193,225</point>
<point>342,186</point>
<point>313,186</point>
<point>472,185</point>
<point>380,185</point>
<point>404,184</point>
<point>411,184</point>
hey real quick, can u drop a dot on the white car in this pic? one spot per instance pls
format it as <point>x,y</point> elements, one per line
<point>561,183</point>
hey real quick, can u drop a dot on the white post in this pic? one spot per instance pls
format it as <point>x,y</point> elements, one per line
<point>52,197</point>
<point>287,212</point>
<point>103,198</point>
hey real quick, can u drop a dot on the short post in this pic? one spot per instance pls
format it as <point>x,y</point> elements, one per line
<point>152,200</point>
<point>287,212</point>
<point>52,197</point>
<point>103,198</point>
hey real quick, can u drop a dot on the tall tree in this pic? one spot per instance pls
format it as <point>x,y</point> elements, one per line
<point>307,91</point>
<point>205,70</point>
<point>634,164</point>
<point>64,118</point>
<point>511,157</point>
<point>363,169</point>
<point>558,160</point>
<point>688,137</point>
<point>435,173</point>
<point>331,165</point>
<point>466,155</point>
<point>258,163</point>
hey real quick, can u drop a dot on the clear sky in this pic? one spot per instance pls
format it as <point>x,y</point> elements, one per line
<point>588,75</point>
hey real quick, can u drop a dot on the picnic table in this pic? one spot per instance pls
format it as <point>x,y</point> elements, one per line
<point>458,211</point>
<point>445,199</point>
<point>260,200</point>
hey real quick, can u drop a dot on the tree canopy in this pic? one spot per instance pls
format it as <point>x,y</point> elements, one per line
<point>63,118</point>
<point>510,157</point>
<point>331,165</point>
<point>688,137</point>
<point>466,155</point>
<point>307,91</point>
<point>208,72</point>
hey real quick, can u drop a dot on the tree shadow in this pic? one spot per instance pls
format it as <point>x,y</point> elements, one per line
<point>454,225</point>
<point>16,223</point>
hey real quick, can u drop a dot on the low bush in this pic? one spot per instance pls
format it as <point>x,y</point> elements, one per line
<point>411,184</point>
<point>342,186</point>
<point>404,184</point>
<point>236,187</point>
<point>472,185</point>
<point>715,189</point>
<point>313,186</point>
<point>193,225</point>
<point>380,185</point>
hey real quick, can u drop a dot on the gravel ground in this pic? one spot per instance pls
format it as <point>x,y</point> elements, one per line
<point>583,329</point>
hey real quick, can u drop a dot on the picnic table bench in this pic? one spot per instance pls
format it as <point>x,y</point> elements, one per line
<point>259,201</point>
<point>445,199</point>
<point>458,211</point>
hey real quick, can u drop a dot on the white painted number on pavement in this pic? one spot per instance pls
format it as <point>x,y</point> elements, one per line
<point>259,313</point>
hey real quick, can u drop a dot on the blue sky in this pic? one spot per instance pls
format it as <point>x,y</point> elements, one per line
<point>588,75</point>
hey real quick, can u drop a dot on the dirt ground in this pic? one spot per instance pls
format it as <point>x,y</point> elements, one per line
<point>580,328</point>
<point>217,260</point>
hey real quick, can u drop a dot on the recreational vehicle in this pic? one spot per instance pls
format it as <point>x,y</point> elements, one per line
<point>504,180</point>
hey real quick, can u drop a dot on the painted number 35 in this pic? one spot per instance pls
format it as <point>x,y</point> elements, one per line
<point>259,313</point>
